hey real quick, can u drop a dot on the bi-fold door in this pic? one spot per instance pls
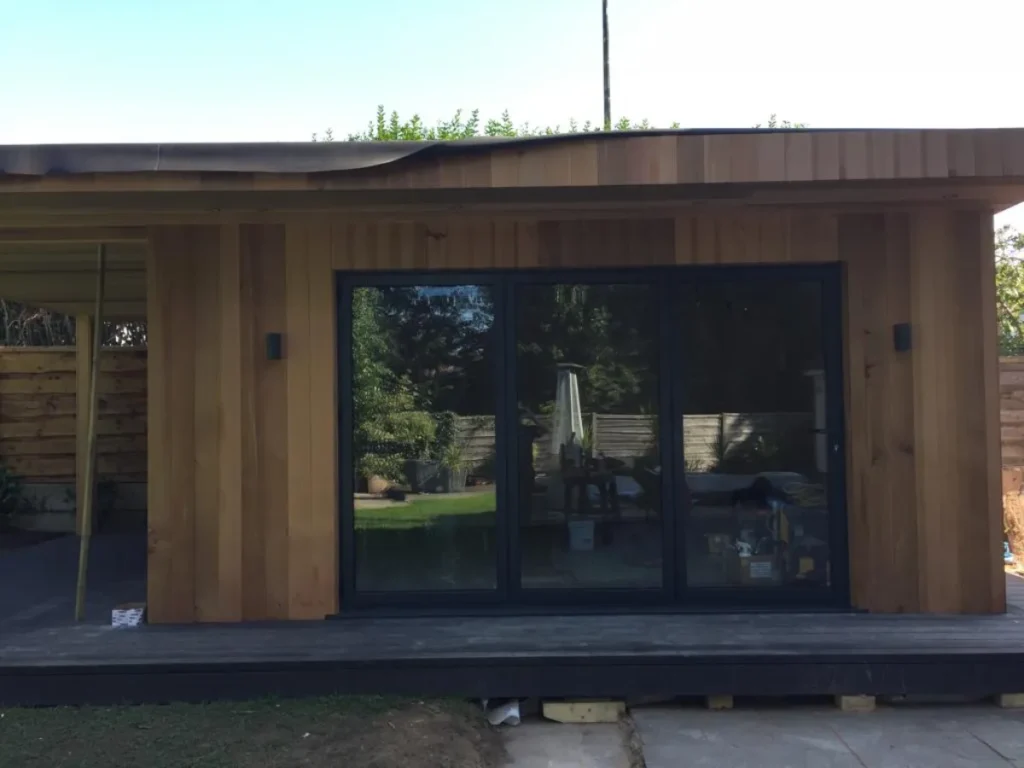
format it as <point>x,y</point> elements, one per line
<point>636,437</point>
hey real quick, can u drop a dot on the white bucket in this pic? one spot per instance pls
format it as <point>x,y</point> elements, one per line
<point>581,535</point>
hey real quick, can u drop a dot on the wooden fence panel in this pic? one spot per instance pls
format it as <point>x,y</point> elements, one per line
<point>1011,409</point>
<point>38,414</point>
<point>706,437</point>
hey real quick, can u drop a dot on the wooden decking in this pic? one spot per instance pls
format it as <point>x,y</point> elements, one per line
<point>45,660</point>
<point>1014,594</point>
<point>777,654</point>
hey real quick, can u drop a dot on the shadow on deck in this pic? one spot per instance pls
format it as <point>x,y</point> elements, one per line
<point>37,581</point>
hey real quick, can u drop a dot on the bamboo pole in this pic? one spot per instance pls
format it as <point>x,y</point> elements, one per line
<point>90,460</point>
<point>83,376</point>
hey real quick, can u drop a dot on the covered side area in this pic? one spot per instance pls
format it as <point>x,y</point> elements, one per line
<point>72,444</point>
<point>252,264</point>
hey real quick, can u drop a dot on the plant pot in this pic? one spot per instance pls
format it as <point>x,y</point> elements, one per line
<point>424,475</point>
<point>453,480</point>
<point>376,485</point>
<point>430,476</point>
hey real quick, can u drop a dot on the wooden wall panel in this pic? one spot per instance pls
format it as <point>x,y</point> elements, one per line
<point>243,450</point>
<point>977,457</point>
<point>243,506</point>
<point>265,555</point>
<point>228,318</point>
<point>208,429</point>
<point>880,415</point>
<point>297,354</point>
<point>922,426</point>
<point>170,583</point>
<point>323,469</point>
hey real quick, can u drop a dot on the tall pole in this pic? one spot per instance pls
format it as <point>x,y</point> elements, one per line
<point>89,497</point>
<point>607,79</point>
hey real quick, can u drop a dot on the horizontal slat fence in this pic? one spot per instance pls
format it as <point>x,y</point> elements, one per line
<point>706,437</point>
<point>37,419</point>
<point>38,414</point>
<point>1011,409</point>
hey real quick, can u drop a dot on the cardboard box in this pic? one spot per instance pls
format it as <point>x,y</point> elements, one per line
<point>759,570</point>
<point>128,615</point>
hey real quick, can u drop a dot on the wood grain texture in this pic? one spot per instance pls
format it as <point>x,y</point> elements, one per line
<point>298,440</point>
<point>984,541</point>
<point>956,415</point>
<point>171,578</point>
<point>40,389</point>
<point>266,554</point>
<point>615,160</point>
<point>920,440</point>
<point>232,396</point>
<point>236,533</point>
<point>880,415</point>
<point>208,429</point>
<point>322,559</point>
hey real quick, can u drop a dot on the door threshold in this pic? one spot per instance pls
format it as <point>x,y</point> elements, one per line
<point>477,611</point>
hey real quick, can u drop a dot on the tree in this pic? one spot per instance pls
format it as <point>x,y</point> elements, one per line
<point>388,428</point>
<point>1009,249</point>
<point>390,127</point>
<point>775,124</point>
<point>24,326</point>
<point>440,340</point>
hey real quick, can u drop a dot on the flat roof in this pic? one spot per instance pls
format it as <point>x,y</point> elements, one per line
<point>307,156</point>
<point>629,158</point>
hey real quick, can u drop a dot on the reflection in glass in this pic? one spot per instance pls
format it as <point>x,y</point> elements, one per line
<point>423,438</point>
<point>588,450</point>
<point>754,435</point>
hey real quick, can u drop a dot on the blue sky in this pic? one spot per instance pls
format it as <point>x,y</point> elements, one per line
<point>228,70</point>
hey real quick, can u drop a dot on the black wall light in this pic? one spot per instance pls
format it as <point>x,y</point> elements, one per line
<point>275,346</point>
<point>901,340</point>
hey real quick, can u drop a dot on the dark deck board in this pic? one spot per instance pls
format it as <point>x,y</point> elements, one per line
<point>543,655</point>
<point>504,637</point>
<point>753,654</point>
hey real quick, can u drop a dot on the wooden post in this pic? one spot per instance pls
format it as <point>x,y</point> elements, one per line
<point>83,379</point>
<point>90,457</point>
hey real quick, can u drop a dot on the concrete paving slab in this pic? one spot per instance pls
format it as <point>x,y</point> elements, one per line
<point>554,745</point>
<point>937,737</point>
<point>678,737</point>
<point>929,737</point>
<point>1002,730</point>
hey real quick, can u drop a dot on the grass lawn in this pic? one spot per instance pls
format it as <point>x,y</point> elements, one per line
<point>356,732</point>
<point>424,510</point>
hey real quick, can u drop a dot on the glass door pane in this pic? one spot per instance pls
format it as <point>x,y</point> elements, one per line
<point>588,449</point>
<point>755,444</point>
<point>424,399</point>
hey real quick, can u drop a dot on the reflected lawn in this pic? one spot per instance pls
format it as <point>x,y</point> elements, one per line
<point>423,511</point>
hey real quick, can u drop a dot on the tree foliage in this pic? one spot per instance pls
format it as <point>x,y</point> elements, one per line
<point>390,127</point>
<point>1009,248</point>
<point>22,325</point>
<point>388,428</point>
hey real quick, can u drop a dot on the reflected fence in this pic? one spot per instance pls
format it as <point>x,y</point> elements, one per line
<point>710,441</point>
